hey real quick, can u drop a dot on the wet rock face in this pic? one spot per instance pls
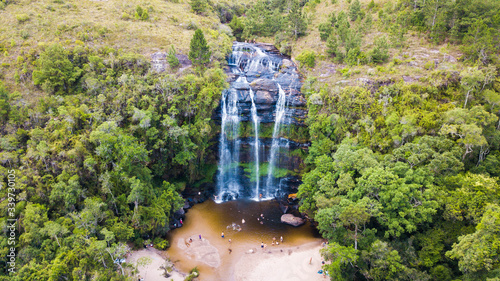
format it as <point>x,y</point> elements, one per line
<point>264,70</point>
<point>261,117</point>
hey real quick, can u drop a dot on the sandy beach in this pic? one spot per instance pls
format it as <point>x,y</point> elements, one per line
<point>152,271</point>
<point>299,263</point>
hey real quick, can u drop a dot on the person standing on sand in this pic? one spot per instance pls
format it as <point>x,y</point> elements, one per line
<point>199,236</point>
<point>281,239</point>
<point>262,245</point>
<point>222,234</point>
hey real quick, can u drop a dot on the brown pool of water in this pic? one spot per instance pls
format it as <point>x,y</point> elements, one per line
<point>210,219</point>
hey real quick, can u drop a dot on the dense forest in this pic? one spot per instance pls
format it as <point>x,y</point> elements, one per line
<point>97,148</point>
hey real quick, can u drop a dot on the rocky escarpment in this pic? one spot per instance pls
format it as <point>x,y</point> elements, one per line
<point>263,138</point>
<point>265,88</point>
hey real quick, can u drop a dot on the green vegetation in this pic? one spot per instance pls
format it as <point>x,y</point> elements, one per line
<point>93,175</point>
<point>199,52</point>
<point>403,97</point>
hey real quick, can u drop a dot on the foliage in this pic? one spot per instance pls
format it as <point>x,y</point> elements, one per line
<point>55,72</point>
<point>199,6</point>
<point>354,10</point>
<point>398,175</point>
<point>199,52</point>
<point>380,52</point>
<point>172,60</point>
<point>307,58</point>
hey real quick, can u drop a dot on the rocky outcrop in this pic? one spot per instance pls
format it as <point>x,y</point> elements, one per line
<point>292,220</point>
<point>159,62</point>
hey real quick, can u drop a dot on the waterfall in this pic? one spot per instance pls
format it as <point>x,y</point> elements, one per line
<point>255,120</point>
<point>255,97</point>
<point>229,149</point>
<point>280,113</point>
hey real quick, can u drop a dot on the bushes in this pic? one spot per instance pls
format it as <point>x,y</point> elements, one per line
<point>21,18</point>
<point>55,72</point>
<point>198,6</point>
<point>380,53</point>
<point>307,58</point>
<point>141,14</point>
<point>325,29</point>
<point>172,60</point>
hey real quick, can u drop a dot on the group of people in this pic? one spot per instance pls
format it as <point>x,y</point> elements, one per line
<point>275,242</point>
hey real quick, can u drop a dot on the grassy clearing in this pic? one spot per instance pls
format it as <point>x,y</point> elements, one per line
<point>27,25</point>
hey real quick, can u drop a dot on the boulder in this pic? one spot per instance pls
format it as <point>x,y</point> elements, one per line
<point>292,220</point>
<point>263,84</point>
<point>268,47</point>
<point>449,58</point>
<point>287,63</point>
<point>263,97</point>
<point>180,212</point>
<point>159,62</point>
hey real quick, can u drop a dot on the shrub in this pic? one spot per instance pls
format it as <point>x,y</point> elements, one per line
<point>172,60</point>
<point>141,14</point>
<point>325,29</point>
<point>21,18</point>
<point>307,58</point>
<point>54,71</point>
<point>380,53</point>
<point>198,6</point>
<point>429,65</point>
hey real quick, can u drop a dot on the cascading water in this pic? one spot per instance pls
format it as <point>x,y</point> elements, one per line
<point>229,150</point>
<point>254,104</point>
<point>255,120</point>
<point>280,113</point>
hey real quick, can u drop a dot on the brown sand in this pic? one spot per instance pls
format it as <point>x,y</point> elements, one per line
<point>152,272</point>
<point>291,264</point>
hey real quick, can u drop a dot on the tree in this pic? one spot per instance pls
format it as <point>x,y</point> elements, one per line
<point>53,230</point>
<point>480,42</point>
<point>467,126</point>
<point>297,25</point>
<point>54,71</point>
<point>481,249</point>
<point>4,103</point>
<point>354,10</point>
<point>356,214</point>
<point>325,29</point>
<point>237,26</point>
<point>380,52</point>
<point>172,60</point>
<point>199,52</point>
<point>384,263</point>
<point>471,194</point>
<point>471,81</point>
<point>342,260</point>
<point>198,6</point>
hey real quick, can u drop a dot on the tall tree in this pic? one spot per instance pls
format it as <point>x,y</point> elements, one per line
<point>199,52</point>
<point>297,24</point>
<point>481,249</point>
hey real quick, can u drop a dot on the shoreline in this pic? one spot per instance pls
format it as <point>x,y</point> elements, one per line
<point>297,263</point>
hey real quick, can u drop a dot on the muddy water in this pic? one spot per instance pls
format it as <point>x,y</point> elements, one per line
<point>210,219</point>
